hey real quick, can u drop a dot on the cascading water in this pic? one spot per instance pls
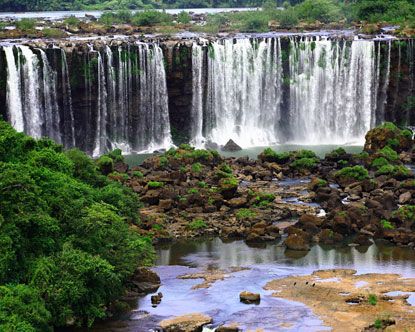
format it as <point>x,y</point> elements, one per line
<point>14,101</point>
<point>51,118</point>
<point>243,91</point>
<point>332,91</point>
<point>132,105</point>
<point>197,96</point>
<point>256,91</point>
<point>32,95</point>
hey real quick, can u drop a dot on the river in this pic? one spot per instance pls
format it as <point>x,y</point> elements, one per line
<point>58,15</point>
<point>263,263</point>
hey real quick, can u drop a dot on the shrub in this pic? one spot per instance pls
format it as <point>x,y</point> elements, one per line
<point>197,224</point>
<point>164,162</point>
<point>150,17</point>
<point>155,184</point>
<point>372,299</point>
<point>304,154</point>
<point>225,168</point>
<point>389,153</point>
<point>379,162</point>
<point>116,155</point>
<point>22,309</point>
<point>51,159</point>
<point>304,163</point>
<point>405,213</point>
<point>184,17</point>
<point>105,164</point>
<point>319,10</point>
<point>386,224</point>
<point>385,170</point>
<point>288,18</point>
<point>72,21</point>
<point>26,24</point>
<point>245,214</point>
<point>53,33</point>
<point>193,191</point>
<point>202,184</point>
<point>407,133</point>
<point>197,167</point>
<point>358,173</point>
<point>186,147</point>
<point>137,174</point>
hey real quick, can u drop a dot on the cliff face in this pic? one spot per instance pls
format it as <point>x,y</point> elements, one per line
<point>138,95</point>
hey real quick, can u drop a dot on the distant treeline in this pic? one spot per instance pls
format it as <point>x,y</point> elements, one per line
<point>44,5</point>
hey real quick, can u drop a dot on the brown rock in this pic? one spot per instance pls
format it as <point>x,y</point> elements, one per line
<point>187,323</point>
<point>166,204</point>
<point>248,297</point>
<point>237,202</point>
<point>297,242</point>
<point>145,280</point>
<point>405,197</point>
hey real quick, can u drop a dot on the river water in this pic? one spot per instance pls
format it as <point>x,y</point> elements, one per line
<point>58,15</point>
<point>263,263</point>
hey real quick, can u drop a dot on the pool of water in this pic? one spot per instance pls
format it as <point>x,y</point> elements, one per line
<point>320,150</point>
<point>271,261</point>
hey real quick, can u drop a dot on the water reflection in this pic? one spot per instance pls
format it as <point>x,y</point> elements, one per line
<point>215,253</point>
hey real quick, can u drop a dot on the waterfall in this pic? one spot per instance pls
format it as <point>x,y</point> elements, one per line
<point>31,92</point>
<point>243,91</point>
<point>335,91</point>
<point>50,111</point>
<point>332,90</point>
<point>132,105</point>
<point>197,96</point>
<point>14,101</point>
<point>68,136</point>
<point>101,118</point>
<point>258,91</point>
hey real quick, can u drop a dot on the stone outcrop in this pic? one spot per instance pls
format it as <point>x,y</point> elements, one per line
<point>186,323</point>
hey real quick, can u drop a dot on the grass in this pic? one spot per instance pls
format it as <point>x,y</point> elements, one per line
<point>155,184</point>
<point>197,224</point>
<point>245,214</point>
<point>386,224</point>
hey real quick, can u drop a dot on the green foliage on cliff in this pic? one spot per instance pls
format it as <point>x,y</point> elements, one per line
<point>66,247</point>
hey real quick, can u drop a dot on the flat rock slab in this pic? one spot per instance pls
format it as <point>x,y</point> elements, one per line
<point>342,299</point>
<point>187,323</point>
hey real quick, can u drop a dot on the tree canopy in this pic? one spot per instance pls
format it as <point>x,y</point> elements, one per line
<point>67,246</point>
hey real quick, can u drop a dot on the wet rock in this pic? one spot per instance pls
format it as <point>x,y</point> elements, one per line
<point>166,204</point>
<point>231,146</point>
<point>156,299</point>
<point>249,298</point>
<point>186,323</point>
<point>145,281</point>
<point>362,240</point>
<point>121,167</point>
<point>405,197</point>
<point>151,197</point>
<point>237,202</point>
<point>227,328</point>
<point>297,242</point>
<point>327,236</point>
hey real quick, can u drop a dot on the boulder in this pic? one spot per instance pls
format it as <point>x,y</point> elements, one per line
<point>248,297</point>
<point>231,146</point>
<point>237,202</point>
<point>405,197</point>
<point>297,242</point>
<point>145,281</point>
<point>186,323</point>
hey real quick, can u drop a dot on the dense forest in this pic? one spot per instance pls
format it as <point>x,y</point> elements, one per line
<point>67,248</point>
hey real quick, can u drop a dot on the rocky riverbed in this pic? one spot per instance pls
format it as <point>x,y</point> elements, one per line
<point>278,211</point>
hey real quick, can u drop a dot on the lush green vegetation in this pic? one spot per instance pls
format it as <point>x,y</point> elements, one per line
<point>309,11</point>
<point>66,245</point>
